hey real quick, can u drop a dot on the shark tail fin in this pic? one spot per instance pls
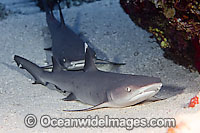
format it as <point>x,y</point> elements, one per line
<point>45,5</point>
<point>32,68</point>
<point>61,15</point>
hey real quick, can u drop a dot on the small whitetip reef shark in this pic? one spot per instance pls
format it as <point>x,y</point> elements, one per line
<point>67,47</point>
<point>94,87</point>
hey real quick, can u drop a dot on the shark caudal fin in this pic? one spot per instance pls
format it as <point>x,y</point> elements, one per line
<point>32,68</point>
<point>61,15</point>
<point>45,5</point>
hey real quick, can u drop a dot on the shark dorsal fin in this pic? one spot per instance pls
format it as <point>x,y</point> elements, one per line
<point>56,65</point>
<point>89,63</point>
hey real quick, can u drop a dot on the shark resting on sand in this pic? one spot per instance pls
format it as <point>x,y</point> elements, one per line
<point>67,47</point>
<point>94,87</point>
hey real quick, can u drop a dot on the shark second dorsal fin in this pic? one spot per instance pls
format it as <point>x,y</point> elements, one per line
<point>89,63</point>
<point>56,65</point>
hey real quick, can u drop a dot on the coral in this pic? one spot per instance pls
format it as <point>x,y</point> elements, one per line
<point>174,23</point>
<point>160,37</point>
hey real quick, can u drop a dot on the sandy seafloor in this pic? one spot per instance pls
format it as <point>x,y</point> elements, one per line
<point>115,37</point>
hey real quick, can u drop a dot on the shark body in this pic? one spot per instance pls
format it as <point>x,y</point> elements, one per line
<point>67,47</point>
<point>92,86</point>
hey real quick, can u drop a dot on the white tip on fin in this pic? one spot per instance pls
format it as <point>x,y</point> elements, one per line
<point>86,46</point>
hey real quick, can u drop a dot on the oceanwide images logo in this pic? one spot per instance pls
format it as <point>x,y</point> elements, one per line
<point>30,120</point>
<point>92,122</point>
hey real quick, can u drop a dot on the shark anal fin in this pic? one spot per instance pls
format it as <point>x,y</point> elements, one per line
<point>60,90</point>
<point>70,97</point>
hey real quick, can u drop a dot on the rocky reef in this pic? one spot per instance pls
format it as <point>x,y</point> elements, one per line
<point>174,23</point>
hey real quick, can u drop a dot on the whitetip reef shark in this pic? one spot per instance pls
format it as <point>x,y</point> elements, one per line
<point>94,87</point>
<point>67,47</point>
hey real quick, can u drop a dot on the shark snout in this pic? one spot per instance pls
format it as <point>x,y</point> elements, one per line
<point>144,93</point>
<point>150,88</point>
<point>132,95</point>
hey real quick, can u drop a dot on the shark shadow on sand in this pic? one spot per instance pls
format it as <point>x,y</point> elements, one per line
<point>67,47</point>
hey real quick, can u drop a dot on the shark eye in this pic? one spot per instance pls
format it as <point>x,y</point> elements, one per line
<point>128,89</point>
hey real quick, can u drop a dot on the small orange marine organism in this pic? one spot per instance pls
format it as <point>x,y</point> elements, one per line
<point>194,101</point>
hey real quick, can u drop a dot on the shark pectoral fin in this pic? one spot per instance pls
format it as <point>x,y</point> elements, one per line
<point>102,105</point>
<point>70,97</point>
<point>154,98</point>
<point>48,49</point>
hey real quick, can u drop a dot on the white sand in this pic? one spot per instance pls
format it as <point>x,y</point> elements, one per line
<point>114,36</point>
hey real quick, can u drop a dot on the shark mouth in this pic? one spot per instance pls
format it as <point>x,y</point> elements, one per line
<point>145,93</point>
